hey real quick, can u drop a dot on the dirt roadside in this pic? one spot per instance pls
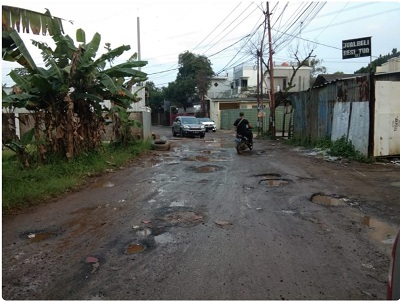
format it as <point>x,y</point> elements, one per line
<point>61,241</point>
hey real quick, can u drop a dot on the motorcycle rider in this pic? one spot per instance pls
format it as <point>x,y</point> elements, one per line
<point>243,127</point>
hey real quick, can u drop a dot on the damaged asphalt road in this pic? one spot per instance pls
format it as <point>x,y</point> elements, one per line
<point>201,222</point>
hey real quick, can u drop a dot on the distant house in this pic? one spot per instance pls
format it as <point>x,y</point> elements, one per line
<point>392,65</point>
<point>240,91</point>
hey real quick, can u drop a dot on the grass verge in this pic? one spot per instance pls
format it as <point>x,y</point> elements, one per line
<point>25,187</point>
<point>339,148</point>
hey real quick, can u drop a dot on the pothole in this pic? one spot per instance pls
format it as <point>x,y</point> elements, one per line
<point>327,200</point>
<point>197,158</point>
<point>177,216</point>
<point>380,231</point>
<point>134,248</point>
<point>272,180</point>
<point>40,235</point>
<point>206,168</point>
<point>35,237</point>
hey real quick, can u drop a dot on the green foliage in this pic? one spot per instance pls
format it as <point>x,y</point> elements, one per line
<point>67,95</point>
<point>25,187</point>
<point>155,96</point>
<point>378,62</point>
<point>344,148</point>
<point>339,148</point>
<point>193,79</point>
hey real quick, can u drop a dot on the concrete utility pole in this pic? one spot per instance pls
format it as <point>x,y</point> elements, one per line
<point>271,74</point>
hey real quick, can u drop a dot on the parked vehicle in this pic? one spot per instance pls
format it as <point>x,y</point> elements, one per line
<point>208,123</point>
<point>393,285</point>
<point>242,143</point>
<point>188,126</point>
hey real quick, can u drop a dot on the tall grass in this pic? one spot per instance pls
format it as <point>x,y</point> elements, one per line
<point>25,187</point>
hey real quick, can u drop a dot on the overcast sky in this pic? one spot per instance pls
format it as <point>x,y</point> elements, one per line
<point>220,29</point>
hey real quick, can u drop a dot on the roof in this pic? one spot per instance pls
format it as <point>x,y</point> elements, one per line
<point>328,78</point>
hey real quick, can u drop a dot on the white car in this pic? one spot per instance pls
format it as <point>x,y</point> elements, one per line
<point>208,123</point>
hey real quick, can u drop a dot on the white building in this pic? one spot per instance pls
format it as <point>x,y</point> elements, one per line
<point>245,78</point>
<point>392,65</point>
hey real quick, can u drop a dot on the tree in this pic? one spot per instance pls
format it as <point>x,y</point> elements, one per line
<point>193,79</point>
<point>316,68</point>
<point>155,96</point>
<point>67,97</point>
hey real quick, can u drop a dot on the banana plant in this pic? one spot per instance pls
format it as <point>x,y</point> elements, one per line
<point>70,90</point>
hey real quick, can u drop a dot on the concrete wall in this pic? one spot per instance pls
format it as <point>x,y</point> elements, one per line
<point>387,118</point>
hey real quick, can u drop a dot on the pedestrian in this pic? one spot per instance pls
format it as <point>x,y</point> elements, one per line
<point>243,127</point>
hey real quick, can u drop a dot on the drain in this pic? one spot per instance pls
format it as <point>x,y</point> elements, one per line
<point>206,168</point>
<point>135,248</point>
<point>322,199</point>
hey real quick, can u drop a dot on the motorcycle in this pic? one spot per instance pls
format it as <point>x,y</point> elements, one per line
<point>242,143</point>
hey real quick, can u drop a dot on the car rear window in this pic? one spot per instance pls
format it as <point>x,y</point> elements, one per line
<point>189,120</point>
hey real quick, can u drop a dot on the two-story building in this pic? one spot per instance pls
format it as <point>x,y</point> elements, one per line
<point>240,90</point>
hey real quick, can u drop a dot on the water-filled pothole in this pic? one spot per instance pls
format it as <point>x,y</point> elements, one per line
<point>327,200</point>
<point>134,248</point>
<point>197,158</point>
<point>35,237</point>
<point>206,168</point>
<point>177,216</point>
<point>272,180</point>
<point>380,231</point>
<point>40,235</point>
<point>275,182</point>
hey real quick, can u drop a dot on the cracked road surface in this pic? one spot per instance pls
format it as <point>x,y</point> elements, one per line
<point>201,222</point>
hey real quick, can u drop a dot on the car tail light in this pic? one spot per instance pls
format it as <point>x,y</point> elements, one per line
<point>391,278</point>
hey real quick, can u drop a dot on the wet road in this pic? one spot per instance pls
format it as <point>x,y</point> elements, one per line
<point>201,222</point>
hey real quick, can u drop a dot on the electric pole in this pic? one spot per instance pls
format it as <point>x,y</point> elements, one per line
<point>271,78</point>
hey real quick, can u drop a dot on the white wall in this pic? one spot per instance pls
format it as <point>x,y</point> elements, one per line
<point>387,119</point>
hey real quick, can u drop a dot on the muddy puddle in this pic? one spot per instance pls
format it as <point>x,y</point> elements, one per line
<point>177,216</point>
<point>42,234</point>
<point>272,180</point>
<point>36,237</point>
<point>135,248</point>
<point>379,230</point>
<point>327,200</point>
